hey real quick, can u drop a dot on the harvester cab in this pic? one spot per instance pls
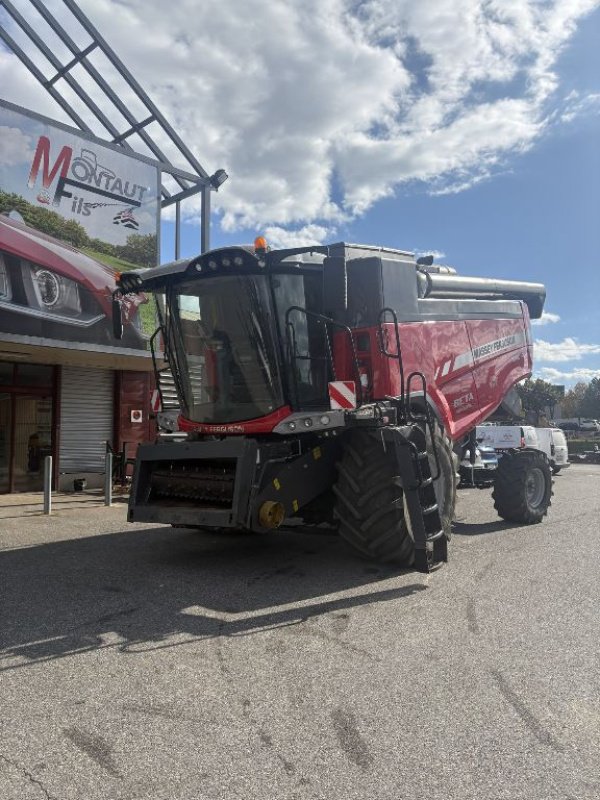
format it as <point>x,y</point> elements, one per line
<point>327,377</point>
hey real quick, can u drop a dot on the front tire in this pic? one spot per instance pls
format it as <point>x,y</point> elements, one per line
<point>523,486</point>
<point>370,500</point>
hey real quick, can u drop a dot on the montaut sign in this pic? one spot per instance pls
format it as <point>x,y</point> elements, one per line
<point>73,211</point>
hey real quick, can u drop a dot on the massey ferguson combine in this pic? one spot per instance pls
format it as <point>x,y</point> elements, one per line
<point>336,384</point>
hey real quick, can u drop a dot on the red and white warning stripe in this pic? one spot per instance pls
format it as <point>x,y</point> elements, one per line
<point>155,403</point>
<point>342,394</point>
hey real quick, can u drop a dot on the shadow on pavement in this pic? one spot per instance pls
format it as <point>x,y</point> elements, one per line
<point>481,528</point>
<point>136,589</point>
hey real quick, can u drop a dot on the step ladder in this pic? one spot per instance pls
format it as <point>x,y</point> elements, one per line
<point>409,444</point>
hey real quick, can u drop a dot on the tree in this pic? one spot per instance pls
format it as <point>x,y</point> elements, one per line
<point>537,396</point>
<point>590,405</point>
<point>45,220</point>
<point>571,405</point>
<point>139,250</point>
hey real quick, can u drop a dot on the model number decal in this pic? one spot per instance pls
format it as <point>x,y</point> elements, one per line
<point>464,400</point>
<point>222,428</point>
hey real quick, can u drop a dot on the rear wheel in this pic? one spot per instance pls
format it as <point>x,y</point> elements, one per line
<point>369,498</point>
<point>522,486</point>
<point>556,470</point>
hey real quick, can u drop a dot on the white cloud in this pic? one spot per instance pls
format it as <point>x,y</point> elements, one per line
<point>546,318</point>
<point>576,106</point>
<point>317,108</point>
<point>578,374</point>
<point>567,350</point>
<point>437,254</point>
<point>310,234</point>
<point>15,147</point>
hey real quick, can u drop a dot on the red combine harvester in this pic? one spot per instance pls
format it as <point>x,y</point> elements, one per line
<point>336,384</point>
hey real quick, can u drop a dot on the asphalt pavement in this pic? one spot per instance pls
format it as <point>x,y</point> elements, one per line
<point>146,663</point>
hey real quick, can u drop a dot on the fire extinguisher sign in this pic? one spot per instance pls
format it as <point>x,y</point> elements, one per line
<point>342,394</point>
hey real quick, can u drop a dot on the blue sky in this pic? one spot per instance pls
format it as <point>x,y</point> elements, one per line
<point>383,121</point>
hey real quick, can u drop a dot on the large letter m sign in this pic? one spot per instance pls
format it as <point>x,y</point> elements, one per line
<point>42,158</point>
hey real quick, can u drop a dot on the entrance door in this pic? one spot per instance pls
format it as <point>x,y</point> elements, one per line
<point>25,440</point>
<point>5,441</point>
<point>33,441</point>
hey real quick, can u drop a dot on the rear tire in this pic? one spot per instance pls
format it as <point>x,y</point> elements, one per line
<point>370,501</point>
<point>522,486</point>
<point>556,470</point>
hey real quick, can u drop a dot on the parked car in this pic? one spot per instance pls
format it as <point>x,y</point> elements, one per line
<point>588,456</point>
<point>553,443</point>
<point>482,471</point>
<point>51,290</point>
<point>568,426</point>
<point>578,424</point>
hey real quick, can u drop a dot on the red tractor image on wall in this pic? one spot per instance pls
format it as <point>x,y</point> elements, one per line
<point>51,290</point>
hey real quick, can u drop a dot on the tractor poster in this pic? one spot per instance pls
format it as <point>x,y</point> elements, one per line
<point>73,212</point>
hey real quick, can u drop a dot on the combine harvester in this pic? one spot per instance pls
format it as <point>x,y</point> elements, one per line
<point>340,384</point>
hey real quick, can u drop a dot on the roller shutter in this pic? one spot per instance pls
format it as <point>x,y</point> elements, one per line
<point>86,418</point>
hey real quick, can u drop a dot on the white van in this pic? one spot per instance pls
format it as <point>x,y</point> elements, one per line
<point>553,443</point>
<point>503,437</point>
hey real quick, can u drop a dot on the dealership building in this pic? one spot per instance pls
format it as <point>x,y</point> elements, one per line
<point>67,388</point>
<point>78,204</point>
<point>67,403</point>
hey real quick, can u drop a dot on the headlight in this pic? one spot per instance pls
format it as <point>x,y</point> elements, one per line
<point>55,292</point>
<point>48,287</point>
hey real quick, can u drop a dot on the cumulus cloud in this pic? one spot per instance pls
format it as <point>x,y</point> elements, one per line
<point>546,319</point>
<point>437,254</point>
<point>15,147</point>
<point>578,374</point>
<point>567,350</point>
<point>318,108</point>
<point>309,234</point>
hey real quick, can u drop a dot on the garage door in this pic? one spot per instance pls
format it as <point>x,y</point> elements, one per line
<point>86,418</point>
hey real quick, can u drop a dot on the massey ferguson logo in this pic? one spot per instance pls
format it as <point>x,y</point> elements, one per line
<point>81,172</point>
<point>494,347</point>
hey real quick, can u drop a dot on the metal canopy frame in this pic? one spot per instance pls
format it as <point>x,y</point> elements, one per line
<point>188,181</point>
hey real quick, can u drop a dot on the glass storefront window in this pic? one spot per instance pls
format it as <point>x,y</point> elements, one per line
<point>34,375</point>
<point>5,438</point>
<point>25,425</point>
<point>6,373</point>
<point>33,441</point>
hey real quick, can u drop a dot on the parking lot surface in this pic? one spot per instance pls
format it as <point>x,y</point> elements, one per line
<point>144,662</point>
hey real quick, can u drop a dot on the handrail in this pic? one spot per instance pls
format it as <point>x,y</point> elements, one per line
<point>289,326</point>
<point>397,355</point>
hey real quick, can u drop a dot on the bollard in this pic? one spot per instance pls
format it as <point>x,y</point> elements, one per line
<point>48,485</point>
<point>108,479</point>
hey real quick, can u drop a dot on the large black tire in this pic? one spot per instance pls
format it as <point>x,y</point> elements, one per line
<point>369,498</point>
<point>523,486</point>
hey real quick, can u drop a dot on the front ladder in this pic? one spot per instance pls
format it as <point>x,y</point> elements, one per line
<point>409,445</point>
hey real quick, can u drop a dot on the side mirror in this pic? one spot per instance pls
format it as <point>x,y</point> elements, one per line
<point>335,284</point>
<point>117,318</point>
